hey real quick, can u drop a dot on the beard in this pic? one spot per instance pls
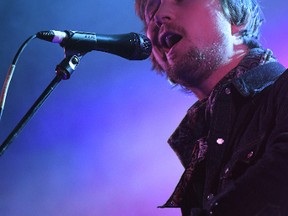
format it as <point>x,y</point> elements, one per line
<point>195,66</point>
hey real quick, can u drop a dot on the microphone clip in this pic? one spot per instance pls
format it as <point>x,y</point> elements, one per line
<point>68,65</point>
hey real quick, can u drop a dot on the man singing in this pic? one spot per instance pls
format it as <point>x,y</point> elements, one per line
<point>233,142</point>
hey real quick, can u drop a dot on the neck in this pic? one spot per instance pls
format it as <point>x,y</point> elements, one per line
<point>204,89</point>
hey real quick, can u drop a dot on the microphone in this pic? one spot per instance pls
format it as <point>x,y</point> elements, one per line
<point>131,46</point>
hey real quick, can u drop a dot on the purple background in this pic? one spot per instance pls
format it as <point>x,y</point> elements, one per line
<point>98,145</point>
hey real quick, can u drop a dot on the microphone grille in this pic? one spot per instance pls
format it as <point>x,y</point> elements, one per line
<point>144,47</point>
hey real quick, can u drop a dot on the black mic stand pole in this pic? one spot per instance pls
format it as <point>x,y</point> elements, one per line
<point>63,72</point>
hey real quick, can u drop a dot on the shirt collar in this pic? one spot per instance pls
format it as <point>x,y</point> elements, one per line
<point>257,70</point>
<point>257,79</point>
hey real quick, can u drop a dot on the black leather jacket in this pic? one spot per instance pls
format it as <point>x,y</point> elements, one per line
<point>246,163</point>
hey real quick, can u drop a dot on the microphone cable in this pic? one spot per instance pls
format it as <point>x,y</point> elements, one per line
<point>10,73</point>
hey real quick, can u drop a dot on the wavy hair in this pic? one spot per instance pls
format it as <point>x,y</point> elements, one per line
<point>240,12</point>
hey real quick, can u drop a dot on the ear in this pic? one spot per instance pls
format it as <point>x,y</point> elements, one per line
<point>236,32</point>
<point>237,29</point>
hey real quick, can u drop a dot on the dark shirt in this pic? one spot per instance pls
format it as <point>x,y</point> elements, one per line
<point>227,144</point>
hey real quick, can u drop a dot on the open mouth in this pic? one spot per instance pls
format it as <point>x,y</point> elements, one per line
<point>168,40</point>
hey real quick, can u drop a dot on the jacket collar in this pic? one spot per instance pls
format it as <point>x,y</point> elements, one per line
<point>255,80</point>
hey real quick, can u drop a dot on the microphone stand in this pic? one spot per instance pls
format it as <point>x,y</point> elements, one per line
<point>63,72</point>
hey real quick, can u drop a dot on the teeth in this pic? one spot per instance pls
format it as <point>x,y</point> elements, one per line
<point>168,41</point>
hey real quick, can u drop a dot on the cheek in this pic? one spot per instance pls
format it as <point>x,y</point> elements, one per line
<point>205,21</point>
<point>152,34</point>
<point>159,58</point>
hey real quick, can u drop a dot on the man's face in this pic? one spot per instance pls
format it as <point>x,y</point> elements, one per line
<point>191,38</point>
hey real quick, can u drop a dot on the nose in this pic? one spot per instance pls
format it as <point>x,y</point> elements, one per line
<point>164,14</point>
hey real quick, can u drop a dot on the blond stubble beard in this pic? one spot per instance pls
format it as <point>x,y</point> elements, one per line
<point>195,66</point>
